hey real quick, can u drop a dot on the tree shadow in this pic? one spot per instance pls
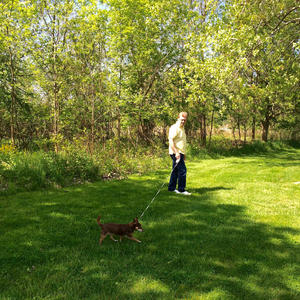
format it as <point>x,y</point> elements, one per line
<point>192,246</point>
<point>209,189</point>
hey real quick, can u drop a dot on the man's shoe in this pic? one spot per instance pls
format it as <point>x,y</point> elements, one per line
<point>175,191</point>
<point>185,193</point>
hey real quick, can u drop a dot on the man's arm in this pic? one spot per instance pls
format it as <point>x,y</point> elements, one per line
<point>174,149</point>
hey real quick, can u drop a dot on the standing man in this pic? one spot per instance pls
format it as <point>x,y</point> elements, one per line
<point>177,149</point>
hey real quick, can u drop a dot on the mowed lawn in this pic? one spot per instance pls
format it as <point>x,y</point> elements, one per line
<point>236,237</point>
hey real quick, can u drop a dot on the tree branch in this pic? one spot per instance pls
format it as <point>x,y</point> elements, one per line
<point>282,19</point>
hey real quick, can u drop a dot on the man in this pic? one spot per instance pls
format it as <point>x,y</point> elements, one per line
<point>177,149</point>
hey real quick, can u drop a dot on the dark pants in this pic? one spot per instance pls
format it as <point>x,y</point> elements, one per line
<point>179,173</point>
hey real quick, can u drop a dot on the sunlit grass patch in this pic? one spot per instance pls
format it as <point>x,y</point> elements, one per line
<point>60,215</point>
<point>146,285</point>
<point>216,294</point>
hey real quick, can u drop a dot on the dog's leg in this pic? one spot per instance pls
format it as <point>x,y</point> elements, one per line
<point>121,237</point>
<point>133,238</point>
<point>102,237</point>
<point>112,237</point>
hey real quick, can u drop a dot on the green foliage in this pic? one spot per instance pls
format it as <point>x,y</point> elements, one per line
<point>123,69</point>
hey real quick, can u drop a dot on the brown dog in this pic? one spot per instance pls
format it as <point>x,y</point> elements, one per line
<point>119,229</point>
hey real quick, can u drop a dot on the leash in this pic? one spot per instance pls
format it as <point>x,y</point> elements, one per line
<point>177,162</point>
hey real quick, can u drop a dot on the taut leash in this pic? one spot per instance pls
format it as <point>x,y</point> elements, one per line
<point>177,162</point>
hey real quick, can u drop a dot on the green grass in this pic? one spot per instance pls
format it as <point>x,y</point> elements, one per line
<point>236,237</point>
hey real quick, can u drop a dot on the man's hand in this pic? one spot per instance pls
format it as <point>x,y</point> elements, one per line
<point>174,149</point>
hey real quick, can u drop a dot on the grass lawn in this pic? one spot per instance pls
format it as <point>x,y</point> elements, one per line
<point>236,237</point>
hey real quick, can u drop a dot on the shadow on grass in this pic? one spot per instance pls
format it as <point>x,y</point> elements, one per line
<point>210,189</point>
<point>285,158</point>
<point>219,248</point>
<point>191,247</point>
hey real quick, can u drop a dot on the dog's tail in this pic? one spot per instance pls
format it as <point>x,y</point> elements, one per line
<point>98,221</point>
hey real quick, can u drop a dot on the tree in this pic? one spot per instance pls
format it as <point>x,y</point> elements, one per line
<point>50,54</point>
<point>88,78</point>
<point>199,70</point>
<point>14,76</point>
<point>145,45</point>
<point>261,48</point>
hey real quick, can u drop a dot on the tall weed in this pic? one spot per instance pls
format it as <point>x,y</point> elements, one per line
<point>21,171</point>
<point>220,147</point>
<point>36,170</point>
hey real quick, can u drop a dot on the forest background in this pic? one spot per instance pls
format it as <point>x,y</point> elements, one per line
<point>87,88</point>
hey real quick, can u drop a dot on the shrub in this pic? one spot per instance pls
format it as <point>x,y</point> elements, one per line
<point>221,146</point>
<point>30,171</point>
<point>35,170</point>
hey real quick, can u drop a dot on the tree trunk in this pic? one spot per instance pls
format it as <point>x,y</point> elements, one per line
<point>56,117</point>
<point>253,128</point>
<point>55,89</point>
<point>119,126</point>
<point>13,96</point>
<point>233,133</point>
<point>245,133</point>
<point>239,128</point>
<point>13,103</point>
<point>118,109</point>
<point>92,126</point>
<point>265,125</point>
<point>211,126</point>
<point>12,119</point>
<point>202,122</point>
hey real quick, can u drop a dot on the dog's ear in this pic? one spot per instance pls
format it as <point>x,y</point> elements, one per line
<point>135,220</point>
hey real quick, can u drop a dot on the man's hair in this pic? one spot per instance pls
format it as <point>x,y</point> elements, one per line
<point>182,113</point>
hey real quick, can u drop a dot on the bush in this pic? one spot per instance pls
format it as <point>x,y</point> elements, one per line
<point>27,171</point>
<point>221,146</point>
<point>36,170</point>
<point>31,171</point>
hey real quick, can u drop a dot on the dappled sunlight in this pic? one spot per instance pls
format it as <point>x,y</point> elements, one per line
<point>211,295</point>
<point>210,245</point>
<point>238,252</point>
<point>48,204</point>
<point>28,243</point>
<point>60,215</point>
<point>145,285</point>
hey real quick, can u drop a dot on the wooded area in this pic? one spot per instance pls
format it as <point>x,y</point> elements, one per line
<point>87,71</point>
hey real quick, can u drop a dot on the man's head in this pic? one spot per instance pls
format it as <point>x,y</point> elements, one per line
<point>182,117</point>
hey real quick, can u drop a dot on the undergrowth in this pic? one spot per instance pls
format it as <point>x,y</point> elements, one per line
<point>26,171</point>
<point>223,147</point>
